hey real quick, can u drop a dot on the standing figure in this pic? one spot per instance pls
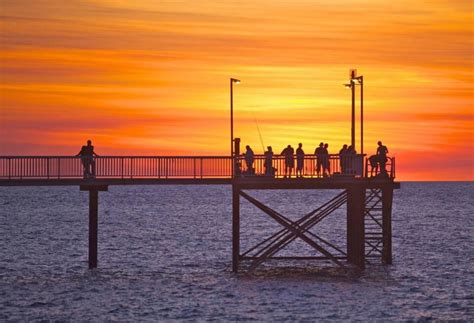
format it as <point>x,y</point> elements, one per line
<point>350,160</point>
<point>87,158</point>
<point>249,156</point>
<point>319,151</point>
<point>326,166</point>
<point>342,158</point>
<point>382,152</point>
<point>269,171</point>
<point>288,152</point>
<point>299,160</point>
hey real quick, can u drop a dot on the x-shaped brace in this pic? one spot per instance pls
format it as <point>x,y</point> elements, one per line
<point>295,229</point>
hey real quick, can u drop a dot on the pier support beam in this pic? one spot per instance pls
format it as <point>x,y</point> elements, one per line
<point>387,197</point>
<point>235,228</point>
<point>93,220</point>
<point>355,226</point>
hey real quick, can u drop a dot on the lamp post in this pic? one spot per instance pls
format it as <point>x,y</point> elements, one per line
<point>351,86</point>
<point>360,80</point>
<point>353,81</point>
<point>232,81</point>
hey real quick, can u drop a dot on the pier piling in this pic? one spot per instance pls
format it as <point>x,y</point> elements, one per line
<point>93,220</point>
<point>355,225</point>
<point>387,197</point>
<point>235,229</point>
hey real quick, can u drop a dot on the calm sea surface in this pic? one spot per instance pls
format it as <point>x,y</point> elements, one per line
<point>165,253</point>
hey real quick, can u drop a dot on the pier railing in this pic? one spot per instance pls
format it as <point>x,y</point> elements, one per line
<point>162,167</point>
<point>350,165</point>
<point>61,167</point>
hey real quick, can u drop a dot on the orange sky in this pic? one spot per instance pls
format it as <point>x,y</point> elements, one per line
<point>152,77</point>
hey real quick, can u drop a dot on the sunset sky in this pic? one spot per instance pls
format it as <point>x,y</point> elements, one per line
<point>152,77</point>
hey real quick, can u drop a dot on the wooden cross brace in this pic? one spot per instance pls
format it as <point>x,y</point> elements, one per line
<point>295,229</point>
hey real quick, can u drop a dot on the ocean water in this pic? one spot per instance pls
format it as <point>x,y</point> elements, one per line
<point>165,254</point>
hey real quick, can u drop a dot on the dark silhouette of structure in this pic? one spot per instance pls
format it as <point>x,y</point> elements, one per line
<point>87,157</point>
<point>367,198</point>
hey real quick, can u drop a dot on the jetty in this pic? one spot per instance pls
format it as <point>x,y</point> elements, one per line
<point>366,194</point>
<point>365,190</point>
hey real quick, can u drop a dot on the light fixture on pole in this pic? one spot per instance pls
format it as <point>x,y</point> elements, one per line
<point>232,81</point>
<point>353,74</point>
<point>360,81</point>
<point>354,80</point>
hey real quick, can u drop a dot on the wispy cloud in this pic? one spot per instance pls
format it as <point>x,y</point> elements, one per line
<point>151,76</point>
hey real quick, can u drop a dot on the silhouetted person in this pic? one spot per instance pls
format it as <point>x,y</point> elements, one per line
<point>249,157</point>
<point>87,158</point>
<point>288,152</point>
<point>326,166</point>
<point>342,158</point>
<point>350,157</point>
<point>269,171</point>
<point>382,152</point>
<point>299,160</point>
<point>374,164</point>
<point>319,152</point>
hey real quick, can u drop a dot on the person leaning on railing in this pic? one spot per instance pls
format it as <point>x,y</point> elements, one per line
<point>379,159</point>
<point>87,158</point>
<point>288,153</point>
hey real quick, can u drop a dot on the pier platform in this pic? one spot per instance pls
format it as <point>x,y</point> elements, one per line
<point>365,193</point>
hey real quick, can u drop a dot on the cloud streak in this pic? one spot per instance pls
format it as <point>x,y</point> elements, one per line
<point>152,76</point>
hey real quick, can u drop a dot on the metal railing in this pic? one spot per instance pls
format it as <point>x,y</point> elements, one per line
<point>373,168</point>
<point>62,167</point>
<point>310,167</point>
<point>198,167</point>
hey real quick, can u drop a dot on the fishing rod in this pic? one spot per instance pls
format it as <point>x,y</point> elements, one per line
<point>259,133</point>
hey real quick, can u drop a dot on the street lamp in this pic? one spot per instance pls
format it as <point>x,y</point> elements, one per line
<point>232,81</point>
<point>353,81</point>
<point>351,86</point>
<point>360,81</point>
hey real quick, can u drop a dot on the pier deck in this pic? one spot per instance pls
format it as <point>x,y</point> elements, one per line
<point>365,193</point>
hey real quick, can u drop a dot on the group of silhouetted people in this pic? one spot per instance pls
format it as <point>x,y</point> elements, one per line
<point>289,155</point>
<point>323,166</point>
<point>346,156</point>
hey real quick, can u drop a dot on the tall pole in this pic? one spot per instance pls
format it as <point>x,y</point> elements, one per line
<point>93,227</point>
<point>232,126</point>
<point>353,114</point>
<point>362,115</point>
<point>231,118</point>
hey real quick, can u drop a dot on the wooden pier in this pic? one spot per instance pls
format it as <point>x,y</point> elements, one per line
<point>363,199</point>
<point>367,197</point>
